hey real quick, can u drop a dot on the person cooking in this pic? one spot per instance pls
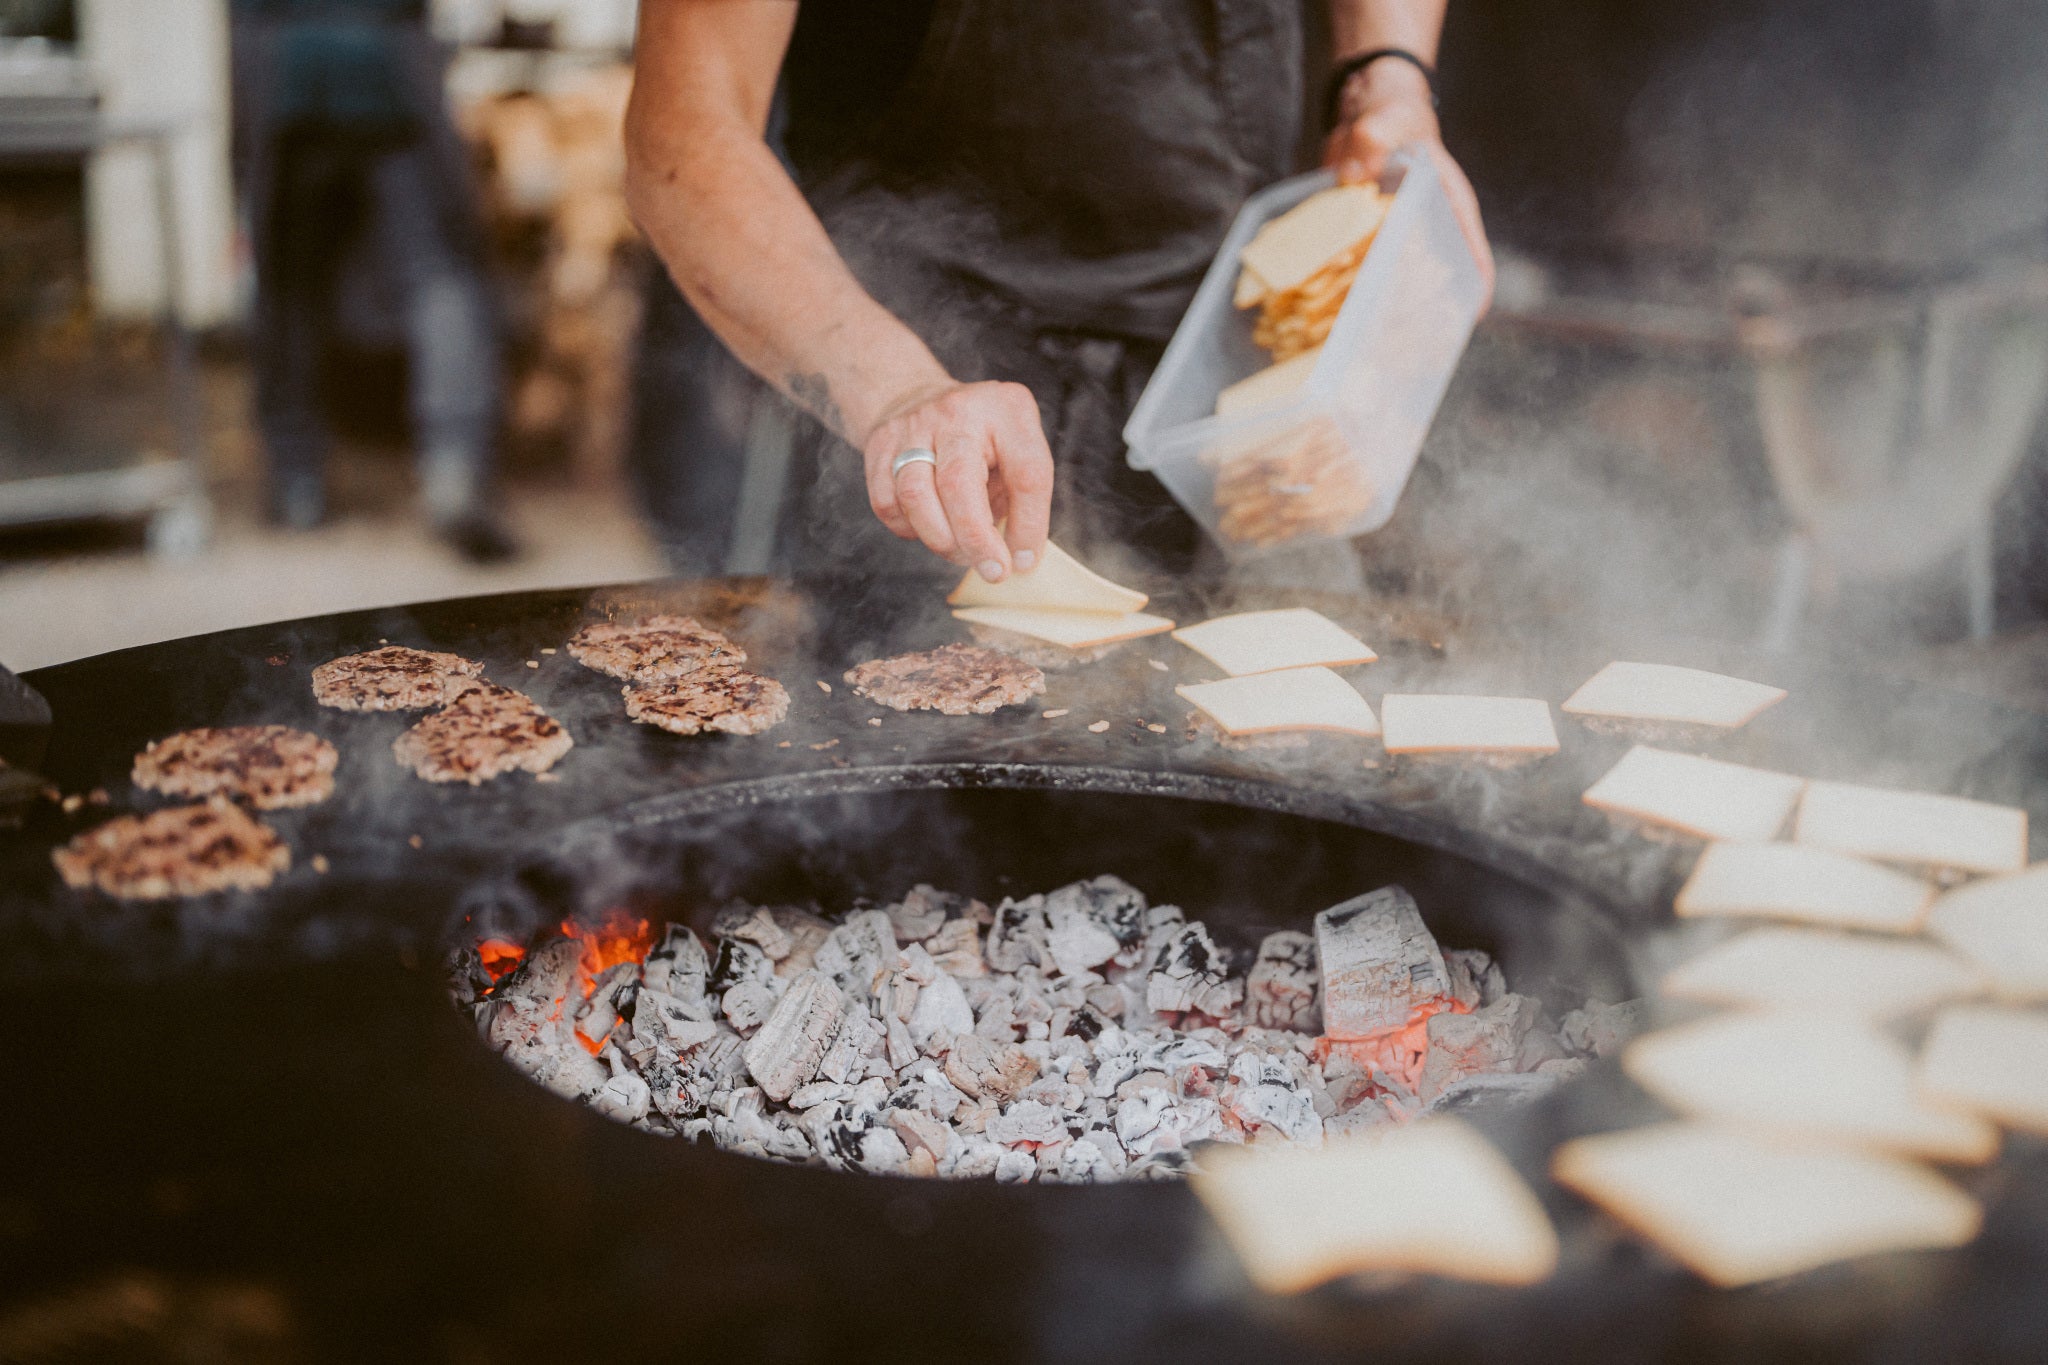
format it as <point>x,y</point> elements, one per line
<point>1002,217</point>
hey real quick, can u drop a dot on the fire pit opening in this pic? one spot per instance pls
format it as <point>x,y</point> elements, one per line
<point>1053,982</point>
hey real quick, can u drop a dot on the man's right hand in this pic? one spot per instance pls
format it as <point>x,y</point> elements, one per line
<point>994,467</point>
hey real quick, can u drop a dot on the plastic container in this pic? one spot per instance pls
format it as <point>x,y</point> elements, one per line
<point>1330,461</point>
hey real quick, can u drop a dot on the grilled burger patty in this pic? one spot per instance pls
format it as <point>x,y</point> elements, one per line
<point>717,696</point>
<point>657,649</point>
<point>269,766</point>
<point>183,851</point>
<point>956,680</point>
<point>393,678</point>
<point>485,731</point>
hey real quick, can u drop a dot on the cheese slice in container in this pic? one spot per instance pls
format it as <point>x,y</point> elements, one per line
<point>1426,723</point>
<point>1804,1073</point>
<point>2001,923</point>
<point>1913,827</point>
<point>1429,1198</point>
<point>1737,1209</point>
<point>1779,966</point>
<point>1702,796</point>
<point>1668,693</point>
<point>1263,641</point>
<point>1059,583</point>
<point>1290,248</point>
<point>1268,387</point>
<point>1073,629</point>
<point>1290,699</point>
<point>1794,881</point>
<point>1991,1061</point>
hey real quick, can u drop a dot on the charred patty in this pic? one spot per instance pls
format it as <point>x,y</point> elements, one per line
<point>269,766</point>
<point>183,851</point>
<point>657,649</point>
<point>485,731</point>
<point>393,678</point>
<point>956,680</point>
<point>722,697</point>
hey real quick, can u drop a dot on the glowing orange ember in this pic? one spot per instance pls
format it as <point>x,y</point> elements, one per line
<point>1398,1053</point>
<point>618,937</point>
<point>499,957</point>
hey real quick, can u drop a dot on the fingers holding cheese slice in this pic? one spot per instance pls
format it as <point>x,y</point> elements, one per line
<point>1059,583</point>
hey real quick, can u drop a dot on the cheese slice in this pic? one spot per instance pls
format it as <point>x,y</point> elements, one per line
<point>1290,699</point>
<point>2001,924</point>
<point>1665,692</point>
<point>1803,1073</point>
<point>1442,723</point>
<point>1074,629</point>
<point>1059,583</point>
<point>1989,1061</point>
<point>1290,248</point>
<point>1783,967</point>
<point>1269,387</point>
<point>1793,881</point>
<point>1738,1209</point>
<point>1262,641</point>
<point>1431,1198</point>
<point>1251,290</point>
<point>1914,827</point>
<point>1702,796</point>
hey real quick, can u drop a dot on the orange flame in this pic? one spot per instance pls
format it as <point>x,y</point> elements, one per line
<point>1397,1052</point>
<point>499,957</point>
<point>618,937</point>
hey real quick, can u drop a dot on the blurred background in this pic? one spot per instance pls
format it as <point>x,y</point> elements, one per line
<point>1769,356</point>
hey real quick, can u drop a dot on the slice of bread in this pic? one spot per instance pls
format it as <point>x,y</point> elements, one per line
<point>1262,641</point>
<point>1668,693</point>
<point>1913,827</point>
<point>1430,723</point>
<point>1803,1073</point>
<point>1991,1061</point>
<point>1059,583</point>
<point>1073,629</point>
<point>1737,1208</point>
<point>2000,923</point>
<point>1429,1198</point>
<point>1793,881</point>
<point>1779,966</point>
<point>1702,796</point>
<point>1291,699</point>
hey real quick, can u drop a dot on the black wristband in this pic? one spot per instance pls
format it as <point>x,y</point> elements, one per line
<point>1333,98</point>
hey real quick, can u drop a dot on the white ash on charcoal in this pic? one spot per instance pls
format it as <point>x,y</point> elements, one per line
<point>1078,1036</point>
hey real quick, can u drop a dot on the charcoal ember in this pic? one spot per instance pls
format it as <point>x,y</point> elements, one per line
<point>738,961</point>
<point>919,1131</point>
<point>902,1050</point>
<point>1462,1045</point>
<point>624,1097</point>
<point>468,979</point>
<point>1190,973</point>
<point>855,1038</point>
<point>1380,965</point>
<point>1015,1166</point>
<point>1280,990</point>
<point>1289,1111</point>
<point>997,1020</point>
<point>1171,1164</point>
<point>1143,1081</point>
<point>794,1038</point>
<point>1086,1161</point>
<point>545,976</point>
<point>978,1068</point>
<point>1359,1118</point>
<point>1017,938</point>
<point>570,1072</point>
<point>1110,902</point>
<point>1056,1091</point>
<point>877,1151</point>
<point>973,1116</point>
<point>661,1018</point>
<point>971,1157</point>
<point>1491,1090</point>
<point>1161,923</point>
<point>1146,1122</point>
<point>1541,1048</point>
<point>747,1005</point>
<point>1106,1000</point>
<point>753,924</point>
<point>1602,1029</point>
<point>807,933</point>
<point>924,1086</point>
<point>1074,939</point>
<point>925,910</point>
<point>678,967</point>
<point>742,1124</point>
<point>611,995</point>
<point>942,1009</point>
<point>1476,979</point>
<point>956,948</point>
<point>855,954</point>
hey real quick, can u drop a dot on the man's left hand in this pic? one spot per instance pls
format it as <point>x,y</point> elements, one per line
<point>1387,106</point>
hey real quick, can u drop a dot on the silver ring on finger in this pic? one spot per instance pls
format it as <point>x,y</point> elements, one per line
<point>915,455</point>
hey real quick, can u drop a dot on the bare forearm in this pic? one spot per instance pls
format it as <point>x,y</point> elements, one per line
<point>1361,25</point>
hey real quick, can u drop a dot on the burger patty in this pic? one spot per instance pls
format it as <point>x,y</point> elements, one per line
<point>485,731</point>
<point>657,649</point>
<point>269,766</point>
<point>393,678</point>
<point>956,680</point>
<point>183,851</point>
<point>718,696</point>
<point>1040,653</point>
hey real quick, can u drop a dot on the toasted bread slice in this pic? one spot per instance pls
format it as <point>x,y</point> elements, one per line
<point>1779,966</point>
<point>1702,796</point>
<point>1290,699</point>
<point>1059,583</point>
<point>1991,1061</point>
<point>1290,248</point>
<point>1913,827</point>
<point>1670,694</point>
<point>1805,1073</point>
<point>1425,723</point>
<point>1430,1198</point>
<point>2001,923</point>
<point>1073,629</point>
<point>1737,1208</point>
<point>1793,881</point>
<point>1263,641</point>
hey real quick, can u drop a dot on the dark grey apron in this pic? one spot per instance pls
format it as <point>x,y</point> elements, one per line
<point>1039,201</point>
